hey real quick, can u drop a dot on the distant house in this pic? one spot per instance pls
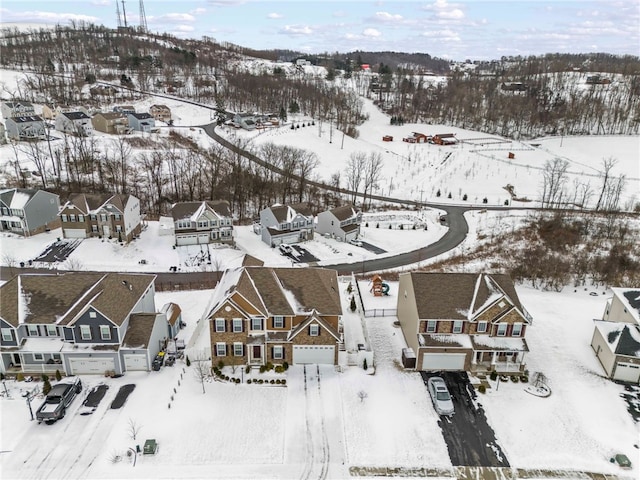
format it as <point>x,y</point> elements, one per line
<point>245,120</point>
<point>202,222</point>
<point>616,338</point>
<point>124,109</point>
<point>101,215</point>
<point>141,122</point>
<point>341,222</point>
<point>444,139</point>
<point>25,128</point>
<point>285,224</point>
<point>513,87</point>
<point>161,113</point>
<point>598,80</point>
<point>49,112</point>
<point>174,318</point>
<point>111,122</point>
<point>387,138</point>
<point>75,123</point>
<point>79,323</point>
<point>28,212</point>
<point>416,137</point>
<point>463,321</point>
<point>17,109</point>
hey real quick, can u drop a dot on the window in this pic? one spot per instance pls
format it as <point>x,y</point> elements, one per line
<point>52,330</point>
<point>238,349</point>
<point>6,335</point>
<point>221,350</point>
<point>501,304</point>
<point>203,224</point>
<point>457,326</point>
<point>72,218</point>
<point>94,228</point>
<point>56,357</point>
<point>93,217</point>
<point>92,314</point>
<point>278,321</point>
<point>314,330</point>
<point>65,218</point>
<point>33,330</point>
<point>105,332</point>
<point>237,325</point>
<point>81,218</point>
<point>117,217</point>
<point>517,329</point>
<point>432,325</point>
<point>220,325</point>
<point>256,324</point>
<point>38,357</point>
<point>278,352</point>
<point>85,332</point>
<point>482,327</point>
<point>502,329</point>
<point>118,228</point>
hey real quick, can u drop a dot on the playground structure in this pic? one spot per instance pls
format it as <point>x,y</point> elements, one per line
<point>378,287</point>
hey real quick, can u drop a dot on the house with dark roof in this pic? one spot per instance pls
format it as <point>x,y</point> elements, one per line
<point>246,121</point>
<point>28,212</point>
<point>87,215</point>
<point>162,113</point>
<point>204,222</point>
<point>174,318</point>
<point>616,338</point>
<point>79,323</point>
<point>141,122</point>
<point>74,123</point>
<point>17,109</point>
<point>285,224</point>
<point>463,321</point>
<point>25,128</point>
<point>342,223</point>
<point>259,315</point>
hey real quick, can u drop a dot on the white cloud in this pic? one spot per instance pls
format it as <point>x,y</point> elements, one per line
<point>184,28</point>
<point>387,17</point>
<point>47,17</point>
<point>101,3</point>
<point>275,16</point>
<point>173,17</point>
<point>226,3</point>
<point>198,11</point>
<point>445,35</point>
<point>371,32</point>
<point>445,10</point>
<point>296,30</point>
<point>455,14</point>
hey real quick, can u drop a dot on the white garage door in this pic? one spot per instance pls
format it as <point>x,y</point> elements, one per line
<point>293,238</point>
<point>85,365</point>
<point>443,361</point>
<point>74,233</point>
<point>187,240</point>
<point>135,362</point>
<point>322,354</point>
<point>627,372</point>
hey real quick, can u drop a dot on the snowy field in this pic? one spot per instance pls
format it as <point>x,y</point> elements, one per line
<point>254,431</point>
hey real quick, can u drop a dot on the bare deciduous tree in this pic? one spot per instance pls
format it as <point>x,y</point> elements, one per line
<point>133,428</point>
<point>202,370</point>
<point>554,179</point>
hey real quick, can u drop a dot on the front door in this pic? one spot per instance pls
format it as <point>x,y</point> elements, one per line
<point>17,361</point>
<point>257,352</point>
<point>106,231</point>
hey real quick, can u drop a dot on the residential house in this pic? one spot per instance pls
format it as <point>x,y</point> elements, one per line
<point>49,112</point>
<point>260,315</point>
<point>285,224</point>
<point>416,137</point>
<point>141,122</point>
<point>17,109</point>
<point>101,215</point>
<point>126,109</point>
<point>245,120</point>
<point>463,321</point>
<point>342,223</point>
<point>75,123</point>
<point>161,113</point>
<point>79,323</point>
<point>28,212</point>
<point>25,128</point>
<point>444,139</point>
<point>111,122</point>
<point>202,222</point>
<point>616,338</point>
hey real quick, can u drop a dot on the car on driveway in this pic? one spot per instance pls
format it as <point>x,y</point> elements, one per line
<point>285,249</point>
<point>58,399</point>
<point>355,242</point>
<point>440,396</point>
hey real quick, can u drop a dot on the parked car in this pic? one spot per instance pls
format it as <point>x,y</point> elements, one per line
<point>285,248</point>
<point>355,242</point>
<point>440,396</point>
<point>58,399</point>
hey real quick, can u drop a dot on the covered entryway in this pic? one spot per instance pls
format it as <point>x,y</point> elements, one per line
<point>319,354</point>
<point>443,361</point>
<point>91,365</point>
<point>74,233</point>
<point>135,362</point>
<point>627,372</point>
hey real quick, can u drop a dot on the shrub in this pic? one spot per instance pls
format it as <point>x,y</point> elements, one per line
<point>482,389</point>
<point>278,382</point>
<point>2,377</point>
<point>449,196</point>
<point>44,377</point>
<point>377,225</point>
<point>226,377</point>
<point>247,369</point>
<point>284,381</point>
<point>390,227</point>
<point>285,365</point>
<point>364,364</point>
<point>220,364</point>
<point>20,377</point>
<point>260,381</point>
<point>46,387</point>
<point>279,369</point>
<point>401,227</point>
<point>269,366</point>
<point>58,375</point>
<point>237,380</point>
<point>493,375</point>
<point>263,369</point>
<point>249,382</point>
<point>352,305</point>
<point>524,379</point>
<point>464,197</point>
<point>272,381</point>
<point>515,378</point>
<point>349,288</point>
<point>438,193</point>
<point>188,361</point>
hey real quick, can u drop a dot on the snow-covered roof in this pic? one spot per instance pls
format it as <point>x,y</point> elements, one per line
<point>16,197</point>
<point>630,298</point>
<point>623,338</point>
<point>486,342</point>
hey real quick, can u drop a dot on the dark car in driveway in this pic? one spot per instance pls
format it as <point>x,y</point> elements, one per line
<point>58,399</point>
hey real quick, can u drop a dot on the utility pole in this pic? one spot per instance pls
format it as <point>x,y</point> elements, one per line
<point>124,13</point>
<point>143,18</point>
<point>118,14</point>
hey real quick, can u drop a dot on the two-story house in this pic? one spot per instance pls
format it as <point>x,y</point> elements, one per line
<point>141,122</point>
<point>101,215</point>
<point>285,224</point>
<point>25,127</point>
<point>342,223</point>
<point>202,222</point>
<point>28,212</point>
<point>246,121</point>
<point>161,113</point>
<point>616,338</point>
<point>79,323</point>
<point>259,315</point>
<point>111,122</point>
<point>463,321</point>
<point>74,123</point>
<point>17,109</point>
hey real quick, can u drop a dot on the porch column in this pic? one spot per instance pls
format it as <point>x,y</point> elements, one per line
<point>474,357</point>
<point>494,357</point>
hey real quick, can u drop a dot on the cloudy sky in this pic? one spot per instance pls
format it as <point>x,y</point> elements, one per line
<point>474,29</point>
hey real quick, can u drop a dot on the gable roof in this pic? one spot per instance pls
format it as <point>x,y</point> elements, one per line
<point>286,213</point>
<point>25,119</point>
<point>344,213</point>
<point>16,197</point>
<point>630,298</point>
<point>622,338</point>
<point>89,203</point>
<point>172,311</point>
<point>193,210</point>
<point>460,296</point>
<point>58,299</point>
<point>141,116</point>
<point>308,321</point>
<point>139,330</point>
<point>75,115</point>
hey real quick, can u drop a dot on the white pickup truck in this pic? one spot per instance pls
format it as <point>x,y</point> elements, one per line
<point>58,399</point>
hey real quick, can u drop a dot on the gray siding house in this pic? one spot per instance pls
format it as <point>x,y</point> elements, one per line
<point>202,222</point>
<point>17,109</point>
<point>25,128</point>
<point>141,122</point>
<point>342,223</point>
<point>75,123</point>
<point>27,212</point>
<point>79,323</point>
<point>285,224</point>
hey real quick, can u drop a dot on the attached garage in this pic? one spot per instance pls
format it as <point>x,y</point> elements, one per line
<point>91,365</point>
<point>74,233</point>
<point>443,361</point>
<point>291,238</point>
<point>627,372</point>
<point>319,354</point>
<point>193,239</point>
<point>135,362</point>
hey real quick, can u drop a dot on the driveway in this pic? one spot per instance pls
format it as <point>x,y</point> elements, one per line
<point>470,440</point>
<point>301,255</point>
<point>58,251</point>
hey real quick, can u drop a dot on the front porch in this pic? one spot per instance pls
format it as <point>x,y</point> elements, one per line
<point>507,363</point>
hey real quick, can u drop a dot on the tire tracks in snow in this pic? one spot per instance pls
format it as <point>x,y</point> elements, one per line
<point>318,453</point>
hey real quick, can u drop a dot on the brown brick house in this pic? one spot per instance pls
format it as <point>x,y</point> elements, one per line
<point>463,321</point>
<point>260,314</point>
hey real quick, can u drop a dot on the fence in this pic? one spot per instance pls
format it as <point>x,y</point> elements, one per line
<point>381,312</point>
